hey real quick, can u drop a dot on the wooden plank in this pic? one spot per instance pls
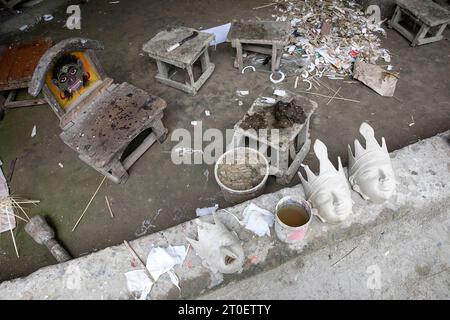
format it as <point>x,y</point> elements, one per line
<point>19,61</point>
<point>6,63</point>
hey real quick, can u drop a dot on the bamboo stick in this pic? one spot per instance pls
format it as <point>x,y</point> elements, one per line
<point>89,203</point>
<point>109,207</point>
<point>325,96</point>
<point>18,217</point>
<point>265,6</point>
<point>337,91</point>
<point>21,209</point>
<point>136,257</point>
<point>12,236</point>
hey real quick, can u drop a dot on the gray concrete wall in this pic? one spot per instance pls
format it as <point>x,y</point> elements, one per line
<point>423,174</point>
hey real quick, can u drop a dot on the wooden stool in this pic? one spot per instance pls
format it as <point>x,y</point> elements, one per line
<point>266,37</point>
<point>424,12</point>
<point>17,64</point>
<point>289,148</point>
<point>109,125</point>
<point>182,57</point>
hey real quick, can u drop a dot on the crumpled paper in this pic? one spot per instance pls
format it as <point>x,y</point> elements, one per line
<point>139,282</point>
<point>159,261</point>
<point>257,220</point>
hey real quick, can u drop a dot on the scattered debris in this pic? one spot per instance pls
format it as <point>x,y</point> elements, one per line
<point>265,6</point>
<point>242,93</point>
<point>12,167</point>
<point>220,33</point>
<point>109,207</point>
<point>257,220</point>
<point>200,212</point>
<point>278,80</point>
<point>268,100</point>
<point>248,67</point>
<point>332,34</point>
<point>138,282</point>
<point>33,132</point>
<point>160,261</point>
<point>381,81</point>
<point>47,17</point>
<point>278,92</point>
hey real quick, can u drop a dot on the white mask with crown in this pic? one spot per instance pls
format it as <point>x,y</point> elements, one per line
<point>370,168</point>
<point>329,192</point>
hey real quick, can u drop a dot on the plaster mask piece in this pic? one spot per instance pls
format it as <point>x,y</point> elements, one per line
<point>329,192</point>
<point>370,169</point>
<point>219,249</point>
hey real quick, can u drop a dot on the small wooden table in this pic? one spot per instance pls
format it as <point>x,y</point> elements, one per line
<point>266,37</point>
<point>17,63</point>
<point>182,57</point>
<point>288,148</point>
<point>424,12</point>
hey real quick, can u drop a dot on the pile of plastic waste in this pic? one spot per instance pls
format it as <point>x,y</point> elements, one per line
<point>330,35</point>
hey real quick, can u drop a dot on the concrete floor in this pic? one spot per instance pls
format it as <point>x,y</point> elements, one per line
<point>403,259</point>
<point>159,191</point>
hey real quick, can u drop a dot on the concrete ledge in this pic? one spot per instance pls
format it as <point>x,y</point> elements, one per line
<point>422,170</point>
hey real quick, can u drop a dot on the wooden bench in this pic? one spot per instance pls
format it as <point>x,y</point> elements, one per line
<point>266,37</point>
<point>426,14</point>
<point>182,57</point>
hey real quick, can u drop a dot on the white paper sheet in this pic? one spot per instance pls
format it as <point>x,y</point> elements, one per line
<point>220,32</point>
<point>139,282</point>
<point>257,220</point>
<point>160,260</point>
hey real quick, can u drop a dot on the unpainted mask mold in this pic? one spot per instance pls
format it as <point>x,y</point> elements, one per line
<point>219,249</point>
<point>329,192</point>
<point>370,169</point>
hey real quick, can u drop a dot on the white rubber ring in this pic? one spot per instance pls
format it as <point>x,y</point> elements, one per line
<point>247,67</point>
<point>279,80</point>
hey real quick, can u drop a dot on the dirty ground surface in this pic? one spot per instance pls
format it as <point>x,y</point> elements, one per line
<point>160,194</point>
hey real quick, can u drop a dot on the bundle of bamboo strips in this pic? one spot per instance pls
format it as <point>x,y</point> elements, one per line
<point>10,208</point>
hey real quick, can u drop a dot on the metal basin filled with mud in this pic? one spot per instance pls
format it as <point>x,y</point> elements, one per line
<point>241,174</point>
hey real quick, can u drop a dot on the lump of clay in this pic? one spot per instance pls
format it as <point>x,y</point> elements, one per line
<point>219,249</point>
<point>328,192</point>
<point>370,169</point>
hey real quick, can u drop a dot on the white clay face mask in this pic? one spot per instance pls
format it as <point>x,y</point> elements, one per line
<point>370,169</point>
<point>328,192</point>
<point>219,249</point>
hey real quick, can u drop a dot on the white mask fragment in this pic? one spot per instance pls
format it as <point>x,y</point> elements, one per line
<point>370,169</point>
<point>219,249</point>
<point>328,192</point>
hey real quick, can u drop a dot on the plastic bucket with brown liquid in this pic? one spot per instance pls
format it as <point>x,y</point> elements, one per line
<point>292,219</point>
